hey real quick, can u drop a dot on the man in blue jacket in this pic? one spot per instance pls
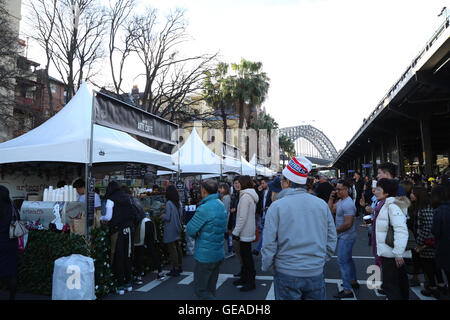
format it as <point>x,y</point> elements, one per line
<point>207,228</point>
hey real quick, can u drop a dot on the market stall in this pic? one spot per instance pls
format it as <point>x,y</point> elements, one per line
<point>65,139</point>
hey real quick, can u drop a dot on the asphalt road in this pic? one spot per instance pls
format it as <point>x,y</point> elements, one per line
<point>181,287</point>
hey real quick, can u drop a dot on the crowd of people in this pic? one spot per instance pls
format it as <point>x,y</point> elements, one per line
<point>295,223</point>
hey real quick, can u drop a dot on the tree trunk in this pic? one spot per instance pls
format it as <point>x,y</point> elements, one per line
<point>49,92</point>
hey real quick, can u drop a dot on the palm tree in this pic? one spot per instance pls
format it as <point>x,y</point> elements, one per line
<point>250,88</point>
<point>287,147</point>
<point>217,91</point>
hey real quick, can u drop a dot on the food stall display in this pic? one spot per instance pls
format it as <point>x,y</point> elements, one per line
<point>67,193</point>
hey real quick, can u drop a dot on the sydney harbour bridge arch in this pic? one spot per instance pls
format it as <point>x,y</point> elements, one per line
<point>326,152</point>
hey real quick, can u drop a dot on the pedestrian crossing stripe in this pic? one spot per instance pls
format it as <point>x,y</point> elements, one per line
<point>223,277</point>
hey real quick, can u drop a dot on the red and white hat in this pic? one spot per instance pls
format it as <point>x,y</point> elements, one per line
<point>297,170</point>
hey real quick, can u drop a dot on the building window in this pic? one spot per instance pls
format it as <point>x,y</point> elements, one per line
<point>53,88</point>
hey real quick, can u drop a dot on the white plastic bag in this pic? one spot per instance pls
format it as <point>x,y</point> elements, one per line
<point>74,278</point>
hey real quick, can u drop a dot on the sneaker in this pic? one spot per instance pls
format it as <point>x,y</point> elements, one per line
<point>355,285</point>
<point>139,280</point>
<point>129,287</point>
<point>431,293</point>
<point>161,276</point>
<point>381,292</point>
<point>247,287</point>
<point>173,273</point>
<point>443,290</point>
<point>237,275</point>
<point>343,295</point>
<point>229,255</point>
<point>255,252</point>
<point>414,283</point>
<point>120,291</point>
<point>238,282</point>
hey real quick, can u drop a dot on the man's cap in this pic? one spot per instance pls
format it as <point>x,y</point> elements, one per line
<point>297,170</point>
<point>275,185</point>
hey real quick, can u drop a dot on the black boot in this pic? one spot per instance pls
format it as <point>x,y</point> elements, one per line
<point>250,284</point>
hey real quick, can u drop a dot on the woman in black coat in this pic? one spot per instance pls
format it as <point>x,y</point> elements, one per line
<point>8,247</point>
<point>441,227</point>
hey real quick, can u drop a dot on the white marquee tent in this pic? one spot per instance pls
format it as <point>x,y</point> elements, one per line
<point>65,138</point>
<point>196,158</point>
<point>261,170</point>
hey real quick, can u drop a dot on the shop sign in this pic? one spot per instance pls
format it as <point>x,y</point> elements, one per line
<point>112,113</point>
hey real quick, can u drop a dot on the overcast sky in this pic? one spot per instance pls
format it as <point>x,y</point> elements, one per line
<point>330,61</point>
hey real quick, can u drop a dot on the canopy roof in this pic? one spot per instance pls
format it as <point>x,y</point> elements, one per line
<point>196,158</point>
<point>261,170</point>
<point>65,138</point>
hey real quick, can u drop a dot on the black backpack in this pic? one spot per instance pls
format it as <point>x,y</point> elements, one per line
<point>137,213</point>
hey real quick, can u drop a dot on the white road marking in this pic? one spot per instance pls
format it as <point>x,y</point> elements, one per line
<point>222,278</point>
<point>188,280</point>
<point>357,257</point>
<point>271,293</point>
<point>151,285</point>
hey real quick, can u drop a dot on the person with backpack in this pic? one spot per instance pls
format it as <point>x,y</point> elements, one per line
<point>120,218</point>
<point>144,232</point>
<point>172,229</point>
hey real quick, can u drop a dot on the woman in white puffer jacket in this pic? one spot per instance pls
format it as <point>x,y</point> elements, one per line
<point>394,210</point>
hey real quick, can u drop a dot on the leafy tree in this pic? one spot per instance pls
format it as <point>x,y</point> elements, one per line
<point>8,70</point>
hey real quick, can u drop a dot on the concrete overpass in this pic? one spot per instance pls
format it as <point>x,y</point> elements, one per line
<point>411,124</point>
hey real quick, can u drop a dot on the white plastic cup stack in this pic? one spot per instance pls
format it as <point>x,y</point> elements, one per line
<point>66,193</point>
<point>45,196</point>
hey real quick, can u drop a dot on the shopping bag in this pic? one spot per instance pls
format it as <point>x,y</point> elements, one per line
<point>74,278</point>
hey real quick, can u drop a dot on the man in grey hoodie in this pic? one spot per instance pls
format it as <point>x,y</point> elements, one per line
<point>299,237</point>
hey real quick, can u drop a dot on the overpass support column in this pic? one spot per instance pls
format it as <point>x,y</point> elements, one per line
<point>426,144</point>
<point>401,160</point>
<point>382,157</point>
<point>374,161</point>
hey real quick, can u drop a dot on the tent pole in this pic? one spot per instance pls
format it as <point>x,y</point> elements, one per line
<point>89,169</point>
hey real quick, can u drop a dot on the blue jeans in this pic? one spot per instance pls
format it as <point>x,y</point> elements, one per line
<point>260,229</point>
<point>345,261</point>
<point>299,288</point>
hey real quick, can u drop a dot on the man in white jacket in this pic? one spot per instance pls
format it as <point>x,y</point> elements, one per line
<point>299,237</point>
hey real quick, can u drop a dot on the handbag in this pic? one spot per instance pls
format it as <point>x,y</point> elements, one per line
<point>17,228</point>
<point>411,244</point>
<point>429,242</point>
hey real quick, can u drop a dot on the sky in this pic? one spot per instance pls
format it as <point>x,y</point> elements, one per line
<point>330,62</point>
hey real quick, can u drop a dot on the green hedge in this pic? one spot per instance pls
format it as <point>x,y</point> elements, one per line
<point>36,264</point>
